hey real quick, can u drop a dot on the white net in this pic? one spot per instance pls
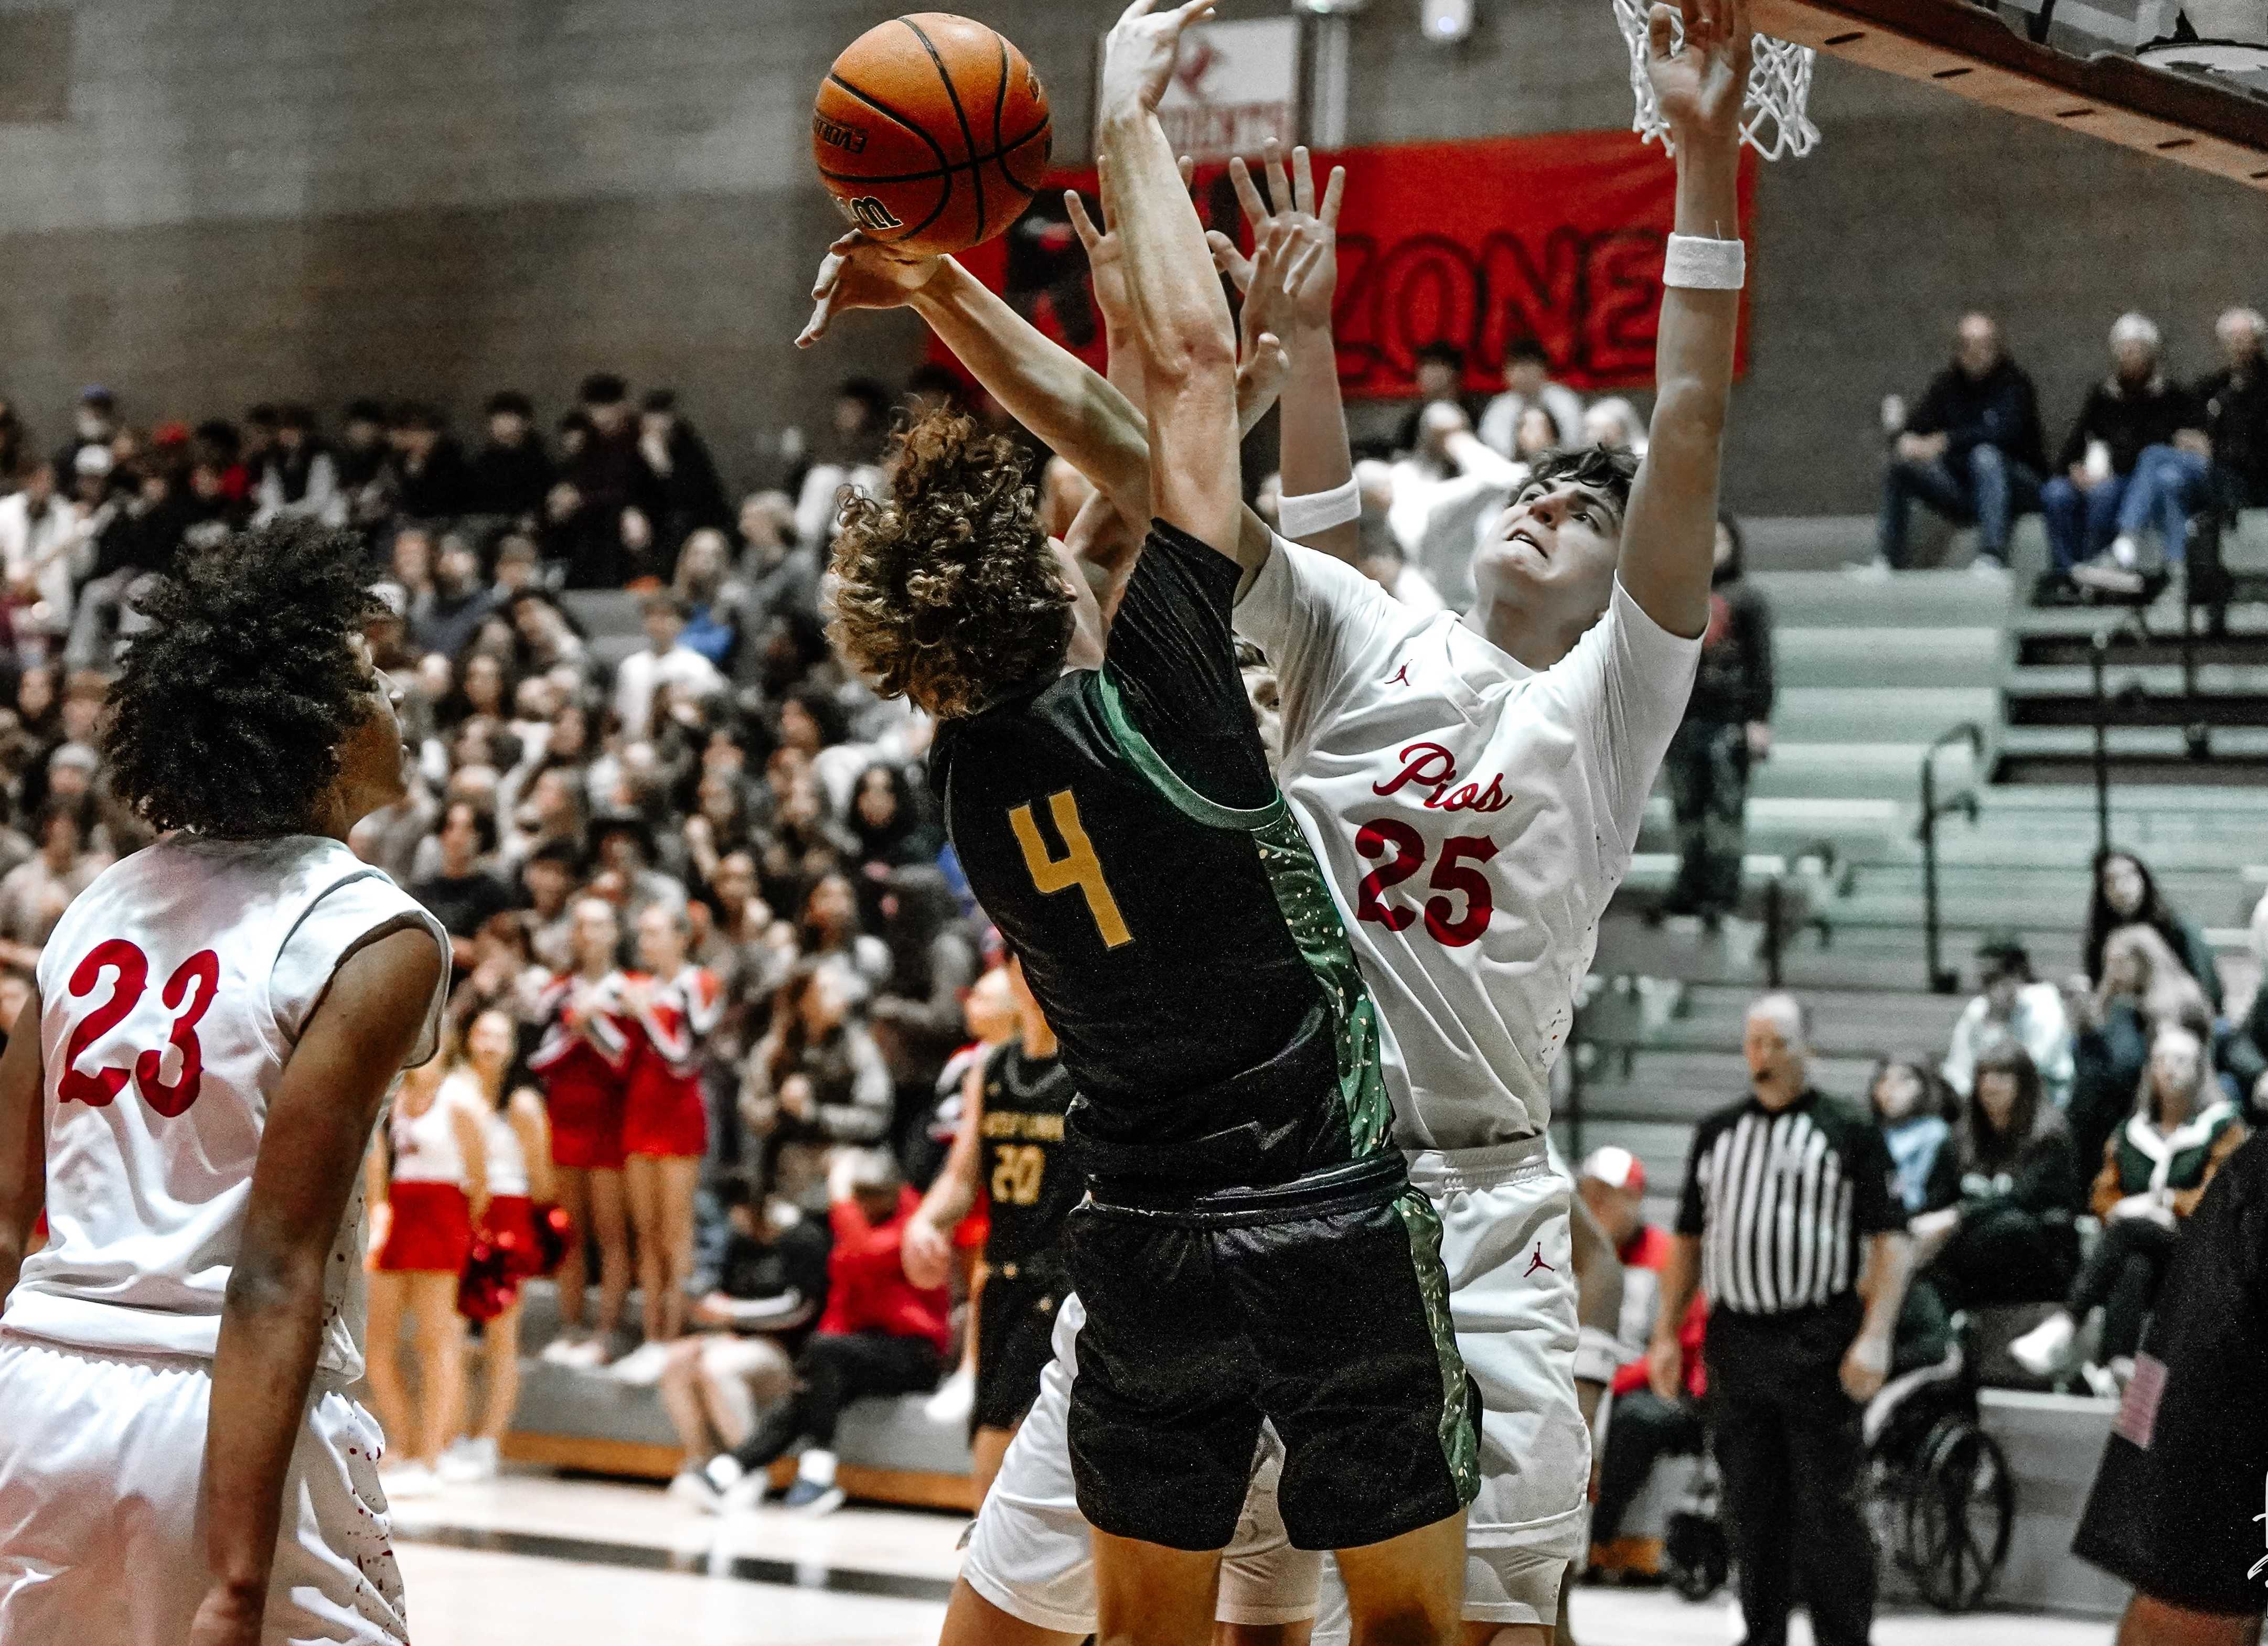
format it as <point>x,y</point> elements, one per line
<point>1772,122</point>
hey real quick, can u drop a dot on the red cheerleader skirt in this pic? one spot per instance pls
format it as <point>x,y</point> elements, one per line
<point>666,1117</point>
<point>510,1225</point>
<point>432,1229</point>
<point>586,1127</point>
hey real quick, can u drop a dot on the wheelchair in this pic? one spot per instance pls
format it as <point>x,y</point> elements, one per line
<point>1938,1494</point>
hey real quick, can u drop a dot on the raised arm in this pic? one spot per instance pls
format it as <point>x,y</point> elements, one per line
<point>271,1324</point>
<point>23,1141</point>
<point>926,1249</point>
<point>1670,536</point>
<point>1187,340</point>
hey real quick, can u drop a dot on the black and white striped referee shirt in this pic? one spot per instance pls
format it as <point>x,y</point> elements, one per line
<point>1784,1203</point>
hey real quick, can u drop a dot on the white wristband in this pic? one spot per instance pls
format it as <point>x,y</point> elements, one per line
<point>1705,265</point>
<point>1320,510</point>
<point>1598,1356</point>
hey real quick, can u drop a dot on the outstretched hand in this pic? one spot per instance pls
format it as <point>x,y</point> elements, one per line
<point>1138,57</point>
<point>1701,84</point>
<point>1282,266</point>
<point>862,273</point>
<point>1311,229</point>
<point>1106,257</point>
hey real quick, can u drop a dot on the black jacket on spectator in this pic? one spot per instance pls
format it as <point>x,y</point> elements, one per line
<point>2041,1178</point>
<point>511,479</point>
<point>1999,410</point>
<point>2244,1053</point>
<point>2236,415</point>
<point>148,541</point>
<point>692,494</point>
<point>2126,418</point>
<point>441,487</point>
<point>610,476</point>
<point>464,906</point>
<point>447,623</point>
<point>783,1280</point>
<point>1733,684</point>
<point>2106,1069</point>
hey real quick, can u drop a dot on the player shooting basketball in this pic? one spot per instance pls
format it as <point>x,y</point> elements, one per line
<point>1499,764</point>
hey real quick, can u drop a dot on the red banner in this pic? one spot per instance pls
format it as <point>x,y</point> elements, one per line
<point>1558,238</point>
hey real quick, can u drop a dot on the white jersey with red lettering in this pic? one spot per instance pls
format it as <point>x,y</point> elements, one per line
<point>172,993</point>
<point>1477,816</point>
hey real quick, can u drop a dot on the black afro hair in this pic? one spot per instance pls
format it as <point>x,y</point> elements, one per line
<point>228,712</point>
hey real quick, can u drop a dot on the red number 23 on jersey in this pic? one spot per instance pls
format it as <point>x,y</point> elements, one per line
<point>188,995</point>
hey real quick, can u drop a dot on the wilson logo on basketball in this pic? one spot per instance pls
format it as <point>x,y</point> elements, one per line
<point>1430,765</point>
<point>869,214</point>
<point>849,139</point>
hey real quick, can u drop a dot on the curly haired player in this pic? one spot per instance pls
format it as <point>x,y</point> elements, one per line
<point>218,1019</point>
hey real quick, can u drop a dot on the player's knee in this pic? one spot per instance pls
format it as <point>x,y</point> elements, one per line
<point>1411,1619</point>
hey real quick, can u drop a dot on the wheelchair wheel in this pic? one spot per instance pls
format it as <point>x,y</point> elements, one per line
<point>1961,1515</point>
<point>1696,1556</point>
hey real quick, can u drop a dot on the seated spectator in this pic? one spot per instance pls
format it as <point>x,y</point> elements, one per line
<point>444,617</point>
<point>851,457</point>
<point>2013,1004</point>
<point>463,896</point>
<point>1908,1103</point>
<point>712,597</point>
<point>2007,1235</point>
<point>2156,1169</point>
<point>300,478</point>
<point>880,1335</point>
<point>666,659</point>
<point>1444,493</point>
<point>1615,422</point>
<point>830,927</point>
<point>47,550</point>
<point>815,1081</point>
<point>2143,987</point>
<point>2175,479</point>
<point>2126,894</point>
<point>433,481</point>
<point>2234,406</point>
<point>2134,410</point>
<point>749,1319</point>
<point>1528,387</point>
<point>1971,450</point>
<point>1726,729</point>
<point>1643,1428</point>
<point>1441,367</point>
<point>688,494</point>
<point>511,472</point>
<point>35,893</point>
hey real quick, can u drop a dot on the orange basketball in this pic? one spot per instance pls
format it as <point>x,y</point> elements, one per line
<point>931,132</point>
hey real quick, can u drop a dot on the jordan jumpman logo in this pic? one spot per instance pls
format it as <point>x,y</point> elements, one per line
<point>1401,677</point>
<point>1535,1261</point>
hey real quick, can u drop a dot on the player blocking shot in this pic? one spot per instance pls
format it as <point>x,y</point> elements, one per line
<point>189,1098</point>
<point>1251,1250</point>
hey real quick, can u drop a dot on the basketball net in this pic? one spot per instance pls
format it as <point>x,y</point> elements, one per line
<point>1772,121</point>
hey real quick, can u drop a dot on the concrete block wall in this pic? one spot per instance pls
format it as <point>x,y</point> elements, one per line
<point>332,197</point>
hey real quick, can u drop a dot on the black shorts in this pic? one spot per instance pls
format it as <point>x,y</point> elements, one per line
<point>1322,1307</point>
<point>1015,1340</point>
<point>2176,1505</point>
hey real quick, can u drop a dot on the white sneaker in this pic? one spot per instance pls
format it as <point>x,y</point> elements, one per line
<point>2043,1350</point>
<point>411,1480</point>
<point>589,1355</point>
<point>469,1462</point>
<point>2102,1382</point>
<point>954,1398</point>
<point>1985,566</point>
<point>692,1488</point>
<point>560,1351</point>
<point>643,1365</point>
<point>1874,570</point>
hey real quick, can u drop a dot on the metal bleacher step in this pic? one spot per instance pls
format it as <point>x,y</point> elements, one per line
<point>1843,1022</point>
<point>1914,599</point>
<point>1905,657</point>
<point>1849,771</point>
<point>1866,714</point>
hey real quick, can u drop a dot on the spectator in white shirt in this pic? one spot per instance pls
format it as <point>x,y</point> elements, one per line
<point>665,661</point>
<point>47,547</point>
<point>1527,382</point>
<point>1445,493</point>
<point>1614,421</point>
<point>2013,1006</point>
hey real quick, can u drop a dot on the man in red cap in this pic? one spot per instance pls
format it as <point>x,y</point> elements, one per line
<point>1643,1426</point>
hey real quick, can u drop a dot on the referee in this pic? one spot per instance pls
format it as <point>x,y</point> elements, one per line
<point>1788,1222</point>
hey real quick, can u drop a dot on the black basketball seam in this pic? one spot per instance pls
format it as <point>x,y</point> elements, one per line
<point>953,96</point>
<point>999,157</point>
<point>1044,129</point>
<point>945,170</point>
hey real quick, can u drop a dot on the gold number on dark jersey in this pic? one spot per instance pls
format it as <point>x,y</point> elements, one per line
<point>1077,867</point>
<point>1016,1173</point>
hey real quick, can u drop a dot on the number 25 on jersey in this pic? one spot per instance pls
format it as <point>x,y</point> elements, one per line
<point>188,995</point>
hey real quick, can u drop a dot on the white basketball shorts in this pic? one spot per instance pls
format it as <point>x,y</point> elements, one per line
<point>102,1528</point>
<point>1506,1244</point>
<point>1029,1553</point>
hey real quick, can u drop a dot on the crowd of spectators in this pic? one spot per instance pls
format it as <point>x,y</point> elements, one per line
<point>2146,458</point>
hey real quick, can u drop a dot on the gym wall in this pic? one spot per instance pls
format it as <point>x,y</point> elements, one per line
<point>328,197</point>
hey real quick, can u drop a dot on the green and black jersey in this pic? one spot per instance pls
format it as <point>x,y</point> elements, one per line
<point>1033,1186</point>
<point>1122,829</point>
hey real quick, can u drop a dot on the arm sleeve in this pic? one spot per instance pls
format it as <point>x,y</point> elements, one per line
<point>2074,445</point>
<point>345,920</point>
<point>1875,1207</point>
<point>1691,1209</point>
<point>865,1117</point>
<point>1323,624</point>
<point>1172,654</point>
<point>1928,416</point>
<point>2231,1139</point>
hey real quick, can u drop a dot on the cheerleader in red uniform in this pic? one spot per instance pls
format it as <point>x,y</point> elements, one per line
<point>584,1062</point>
<point>666,1125</point>
<point>428,1183</point>
<point>519,1139</point>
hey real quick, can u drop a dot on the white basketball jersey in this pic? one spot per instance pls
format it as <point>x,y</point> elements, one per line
<point>507,1160</point>
<point>1476,815</point>
<point>172,993</point>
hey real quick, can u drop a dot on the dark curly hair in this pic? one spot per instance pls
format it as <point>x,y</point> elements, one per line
<point>228,712</point>
<point>947,591</point>
<point>1606,469</point>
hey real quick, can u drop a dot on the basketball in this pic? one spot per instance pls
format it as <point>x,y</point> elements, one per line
<point>931,132</point>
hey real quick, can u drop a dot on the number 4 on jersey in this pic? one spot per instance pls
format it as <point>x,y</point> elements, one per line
<point>1077,867</point>
<point>189,993</point>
